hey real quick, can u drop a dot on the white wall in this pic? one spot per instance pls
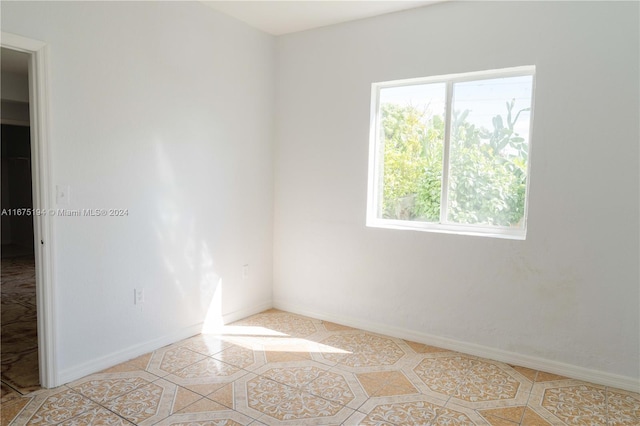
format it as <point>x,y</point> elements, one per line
<point>164,109</point>
<point>569,294</point>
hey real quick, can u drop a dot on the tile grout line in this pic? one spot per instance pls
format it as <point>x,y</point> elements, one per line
<point>606,404</point>
<point>100,406</point>
<point>526,405</point>
<point>16,390</point>
<point>121,395</point>
<point>311,393</point>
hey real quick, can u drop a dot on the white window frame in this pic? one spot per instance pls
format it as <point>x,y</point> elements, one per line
<point>374,192</point>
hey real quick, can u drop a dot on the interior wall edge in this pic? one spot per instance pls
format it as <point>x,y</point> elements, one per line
<point>572,371</point>
<point>246,312</point>
<point>98,364</point>
<point>70,374</point>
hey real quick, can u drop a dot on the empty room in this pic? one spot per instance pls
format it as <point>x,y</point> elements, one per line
<point>320,212</point>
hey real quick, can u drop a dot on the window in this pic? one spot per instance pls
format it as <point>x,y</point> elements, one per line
<point>451,153</point>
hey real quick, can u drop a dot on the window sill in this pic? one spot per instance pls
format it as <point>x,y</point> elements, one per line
<point>456,229</point>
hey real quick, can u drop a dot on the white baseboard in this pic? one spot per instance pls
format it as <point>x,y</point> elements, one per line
<point>536,363</point>
<point>246,312</point>
<point>106,361</point>
<point>103,362</point>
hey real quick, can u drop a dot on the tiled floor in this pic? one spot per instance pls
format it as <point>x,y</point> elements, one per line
<point>278,368</point>
<point>19,349</point>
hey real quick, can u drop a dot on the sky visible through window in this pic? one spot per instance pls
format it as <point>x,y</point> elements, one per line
<point>484,99</point>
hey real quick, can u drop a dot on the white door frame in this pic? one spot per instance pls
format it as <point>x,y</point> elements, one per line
<point>42,189</point>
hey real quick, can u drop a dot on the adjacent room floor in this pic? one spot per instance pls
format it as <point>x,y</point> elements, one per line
<point>19,349</point>
<point>281,368</point>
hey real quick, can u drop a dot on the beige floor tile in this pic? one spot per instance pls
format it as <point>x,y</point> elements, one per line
<point>273,356</point>
<point>395,383</point>
<point>96,416</point>
<point>531,418</point>
<point>237,356</point>
<point>209,368</point>
<point>282,322</point>
<point>281,344</point>
<point>623,408</point>
<point>224,396</point>
<point>338,386</point>
<point>286,369</point>
<point>136,364</point>
<point>217,418</point>
<point>444,374</point>
<point>363,350</point>
<point>273,402</point>
<point>284,349</point>
<point>203,405</point>
<point>281,402</point>
<point>412,410</point>
<point>389,390</point>
<point>472,415</point>
<point>334,420</point>
<point>205,344</point>
<point>476,383</point>
<point>580,404</point>
<point>103,387</point>
<point>513,414</point>
<point>358,417</point>
<point>206,388</point>
<point>172,359</point>
<point>330,326</point>
<point>379,405</point>
<point>487,381</point>
<point>526,372</point>
<point>296,375</point>
<point>183,398</point>
<point>146,405</point>
<point>208,371</point>
<point>421,348</point>
<point>372,382</point>
<point>547,377</point>
<point>397,379</point>
<point>54,406</point>
<point>497,421</point>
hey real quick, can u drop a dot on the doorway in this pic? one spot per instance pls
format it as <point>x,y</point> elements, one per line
<point>28,266</point>
<point>18,314</point>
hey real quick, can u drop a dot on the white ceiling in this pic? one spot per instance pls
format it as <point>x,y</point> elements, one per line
<point>275,17</point>
<point>283,17</point>
<point>14,61</point>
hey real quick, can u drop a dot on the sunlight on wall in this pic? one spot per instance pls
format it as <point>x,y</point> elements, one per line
<point>213,321</point>
<point>186,255</point>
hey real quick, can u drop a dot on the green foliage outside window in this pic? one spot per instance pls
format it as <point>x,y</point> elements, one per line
<point>487,175</point>
<point>412,164</point>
